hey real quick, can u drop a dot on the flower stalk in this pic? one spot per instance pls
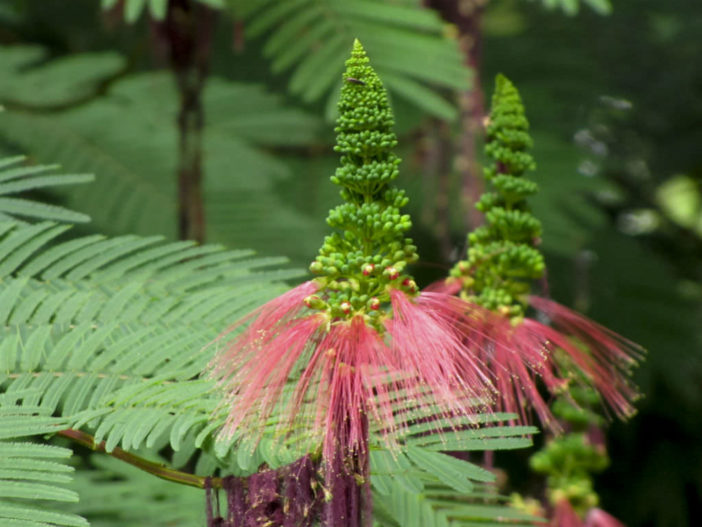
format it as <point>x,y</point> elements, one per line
<point>157,469</point>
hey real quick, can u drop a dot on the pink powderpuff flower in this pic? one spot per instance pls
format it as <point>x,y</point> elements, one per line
<point>523,353</point>
<point>330,377</point>
<point>565,516</point>
<point>599,518</point>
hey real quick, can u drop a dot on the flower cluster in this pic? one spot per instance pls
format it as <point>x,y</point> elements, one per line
<point>502,262</point>
<point>569,461</point>
<point>359,343</point>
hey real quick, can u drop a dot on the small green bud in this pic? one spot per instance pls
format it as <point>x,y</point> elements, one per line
<point>314,302</point>
<point>392,273</point>
<point>409,285</point>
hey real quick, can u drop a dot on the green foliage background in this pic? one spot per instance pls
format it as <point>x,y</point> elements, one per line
<point>614,105</point>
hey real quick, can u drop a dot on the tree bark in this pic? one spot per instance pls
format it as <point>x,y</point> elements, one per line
<point>466,16</point>
<point>187,30</point>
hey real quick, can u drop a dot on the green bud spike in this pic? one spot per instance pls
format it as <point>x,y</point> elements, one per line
<point>569,463</point>
<point>502,256</point>
<point>368,251</point>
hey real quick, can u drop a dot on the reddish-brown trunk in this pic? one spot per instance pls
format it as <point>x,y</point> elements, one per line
<point>466,16</point>
<point>187,31</point>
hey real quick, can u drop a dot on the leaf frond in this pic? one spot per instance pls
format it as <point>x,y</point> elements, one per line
<point>312,38</point>
<point>34,478</point>
<point>17,177</point>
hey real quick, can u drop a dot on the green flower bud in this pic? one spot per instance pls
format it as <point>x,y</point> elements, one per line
<point>369,225</point>
<point>502,257</point>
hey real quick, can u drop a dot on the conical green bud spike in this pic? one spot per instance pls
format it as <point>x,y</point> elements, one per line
<point>502,257</point>
<point>368,251</point>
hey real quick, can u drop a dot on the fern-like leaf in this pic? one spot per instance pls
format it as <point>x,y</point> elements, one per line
<point>87,317</point>
<point>17,177</point>
<point>572,7</point>
<point>407,42</point>
<point>135,190</point>
<point>113,494</point>
<point>437,505</point>
<point>133,9</point>
<point>58,83</point>
<point>33,476</point>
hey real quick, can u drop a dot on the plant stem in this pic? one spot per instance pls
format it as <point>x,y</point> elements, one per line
<point>466,15</point>
<point>157,469</point>
<point>188,29</point>
<point>443,191</point>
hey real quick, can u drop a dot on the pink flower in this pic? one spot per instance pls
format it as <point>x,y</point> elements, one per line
<point>565,516</point>
<point>330,377</point>
<point>602,355</point>
<point>523,354</point>
<point>599,518</point>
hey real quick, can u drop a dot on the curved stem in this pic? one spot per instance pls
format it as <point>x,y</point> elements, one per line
<point>157,469</point>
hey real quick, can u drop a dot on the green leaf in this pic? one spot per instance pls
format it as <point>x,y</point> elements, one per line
<point>603,7</point>
<point>132,10</point>
<point>158,8</point>
<point>447,469</point>
<point>420,96</point>
<point>22,243</point>
<point>35,491</point>
<point>388,467</point>
<point>16,179</point>
<point>312,37</point>
<point>135,159</point>
<point>439,505</point>
<point>12,515</point>
<point>114,494</point>
<point>59,82</point>
<point>33,476</point>
<point>31,209</point>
